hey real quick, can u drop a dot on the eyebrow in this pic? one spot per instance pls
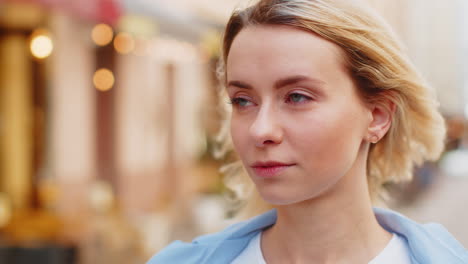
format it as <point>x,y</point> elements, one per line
<point>279,83</point>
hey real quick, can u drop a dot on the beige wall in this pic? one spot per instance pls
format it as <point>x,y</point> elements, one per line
<point>429,30</point>
<point>72,119</point>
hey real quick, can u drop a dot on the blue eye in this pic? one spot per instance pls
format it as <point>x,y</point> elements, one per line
<point>238,101</point>
<point>298,98</point>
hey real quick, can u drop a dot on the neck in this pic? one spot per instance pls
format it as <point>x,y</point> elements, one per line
<point>339,226</point>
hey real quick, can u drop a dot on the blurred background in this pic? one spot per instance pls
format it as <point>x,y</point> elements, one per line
<point>108,115</point>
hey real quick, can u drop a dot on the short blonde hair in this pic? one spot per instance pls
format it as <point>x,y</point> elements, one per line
<point>376,61</point>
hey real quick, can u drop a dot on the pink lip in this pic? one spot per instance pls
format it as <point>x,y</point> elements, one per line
<point>269,169</point>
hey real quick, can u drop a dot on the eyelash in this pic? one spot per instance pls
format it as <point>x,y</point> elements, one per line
<point>237,100</point>
<point>307,98</point>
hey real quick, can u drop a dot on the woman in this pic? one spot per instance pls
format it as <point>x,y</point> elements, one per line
<point>325,109</point>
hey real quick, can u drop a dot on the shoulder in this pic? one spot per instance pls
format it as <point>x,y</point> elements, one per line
<point>191,252</point>
<point>221,247</point>
<point>179,252</point>
<point>428,243</point>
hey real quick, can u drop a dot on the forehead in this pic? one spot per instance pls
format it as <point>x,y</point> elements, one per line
<point>282,48</point>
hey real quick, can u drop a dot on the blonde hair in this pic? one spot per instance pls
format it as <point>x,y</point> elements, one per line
<point>376,61</point>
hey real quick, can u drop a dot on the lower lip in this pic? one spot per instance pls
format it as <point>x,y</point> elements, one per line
<point>267,172</point>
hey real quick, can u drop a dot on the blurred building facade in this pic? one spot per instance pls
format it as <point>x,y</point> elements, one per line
<point>432,32</point>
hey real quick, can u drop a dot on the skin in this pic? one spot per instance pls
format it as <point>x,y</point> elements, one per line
<point>315,120</point>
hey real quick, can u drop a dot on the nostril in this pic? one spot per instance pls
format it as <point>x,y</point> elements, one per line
<point>266,142</point>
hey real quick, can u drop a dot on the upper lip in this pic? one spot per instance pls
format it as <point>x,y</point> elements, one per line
<point>270,164</point>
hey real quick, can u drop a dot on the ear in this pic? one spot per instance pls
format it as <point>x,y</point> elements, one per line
<point>382,115</point>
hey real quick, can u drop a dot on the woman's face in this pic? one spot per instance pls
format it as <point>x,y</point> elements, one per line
<point>297,121</point>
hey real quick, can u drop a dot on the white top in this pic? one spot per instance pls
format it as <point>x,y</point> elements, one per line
<point>252,254</point>
<point>396,251</point>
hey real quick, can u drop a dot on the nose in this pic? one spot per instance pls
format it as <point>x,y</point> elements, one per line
<point>266,130</point>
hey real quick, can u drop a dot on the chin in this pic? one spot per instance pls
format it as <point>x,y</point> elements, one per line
<point>287,196</point>
<point>282,198</point>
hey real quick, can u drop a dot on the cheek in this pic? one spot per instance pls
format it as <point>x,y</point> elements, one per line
<point>311,138</point>
<point>238,134</point>
<point>326,136</point>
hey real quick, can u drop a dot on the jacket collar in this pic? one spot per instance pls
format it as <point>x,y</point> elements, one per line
<point>429,243</point>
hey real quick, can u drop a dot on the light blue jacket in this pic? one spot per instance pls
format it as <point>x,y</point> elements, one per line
<point>428,243</point>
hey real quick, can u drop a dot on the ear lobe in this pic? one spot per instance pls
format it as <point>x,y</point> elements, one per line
<point>382,115</point>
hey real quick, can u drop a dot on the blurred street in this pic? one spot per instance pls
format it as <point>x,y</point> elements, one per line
<point>446,202</point>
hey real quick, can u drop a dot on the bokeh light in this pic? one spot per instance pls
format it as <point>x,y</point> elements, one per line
<point>124,43</point>
<point>103,79</point>
<point>102,34</point>
<point>41,45</point>
<point>101,196</point>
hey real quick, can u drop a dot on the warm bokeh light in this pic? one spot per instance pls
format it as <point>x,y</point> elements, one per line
<point>101,196</point>
<point>124,43</point>
<point>41,45</point>
<point>102,34</point>
<point>103,79</point>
